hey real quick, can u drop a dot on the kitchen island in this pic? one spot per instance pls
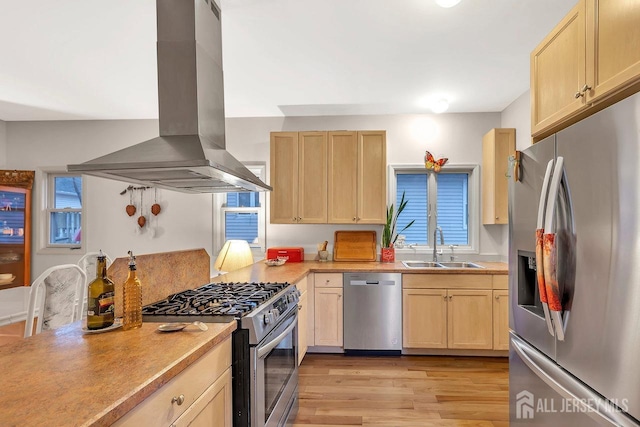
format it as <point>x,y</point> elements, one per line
<point>67,377</point>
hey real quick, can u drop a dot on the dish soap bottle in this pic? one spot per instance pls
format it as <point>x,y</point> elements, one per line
<point>132,310</point>
<point>100,297</point>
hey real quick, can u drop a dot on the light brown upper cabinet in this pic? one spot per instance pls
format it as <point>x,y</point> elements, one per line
<point>357,177</point>
<point>497,146</point>
<point>299,177</point>
<point>589,57</point>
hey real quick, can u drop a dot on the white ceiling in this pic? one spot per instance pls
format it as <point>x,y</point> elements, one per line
<point>90,59</point>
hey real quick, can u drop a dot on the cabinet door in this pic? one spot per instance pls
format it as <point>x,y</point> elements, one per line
<point>558,68</point>
<point>501,320</point>
<point>372,177</point>
<point>343,173</point>
<point>302,326</point>
<point>284,177</point>
<point>312,170</point>
<point>328,316</point>
<point>212,408</point>
<point>497,146</point>
<point>424,318</point>
<point>613,37</point>
<point>470,319</point>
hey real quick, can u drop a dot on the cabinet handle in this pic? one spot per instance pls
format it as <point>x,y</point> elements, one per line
<point>585,88</point>
<point>299,308</point>
<point>497,296</point>
<point>299,219</point>
<point>294,219</point>
<point>179,400</point>
<point>578,95</point>
<point>354,218</point>
<point>450,296</point>
<point>339,296</point>
<point>444,296</point>
<point>497,217</point>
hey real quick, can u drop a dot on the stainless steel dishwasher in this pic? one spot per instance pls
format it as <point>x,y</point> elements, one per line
<point>373,313</point>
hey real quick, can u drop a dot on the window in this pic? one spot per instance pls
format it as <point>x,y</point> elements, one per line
<point>63,210</point>
<point>437,200</point>
<point>242,216</point>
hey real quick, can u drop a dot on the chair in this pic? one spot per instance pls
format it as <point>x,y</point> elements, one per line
<point>54,294</point>
<point>88,264</point>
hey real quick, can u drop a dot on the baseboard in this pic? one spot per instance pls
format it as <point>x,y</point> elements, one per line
<point>324,349</point>
<point>452,352</point>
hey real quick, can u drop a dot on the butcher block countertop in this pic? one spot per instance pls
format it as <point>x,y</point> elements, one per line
<point>295,271</point>
<point>68,378</point>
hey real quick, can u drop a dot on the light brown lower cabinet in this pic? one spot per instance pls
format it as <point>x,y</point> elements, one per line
<point>198,396</point>
<point>424,323</point>
<point>501,320</point>
<point>303,344</point>
<point>460,317</point>
<point>470,319</point>
<point>212,408</point>
<point>328,317</point>
<point>440,318</point>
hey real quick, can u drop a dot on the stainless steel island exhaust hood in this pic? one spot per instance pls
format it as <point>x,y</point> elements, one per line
<point>189,155</point>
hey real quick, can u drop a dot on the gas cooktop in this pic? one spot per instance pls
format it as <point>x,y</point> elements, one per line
<point>221,301</point>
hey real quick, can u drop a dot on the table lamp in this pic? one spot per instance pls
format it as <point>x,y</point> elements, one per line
<point>234,254</point>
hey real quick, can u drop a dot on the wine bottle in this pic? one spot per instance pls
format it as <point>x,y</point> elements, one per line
<point>132,291</point>
<point>100,297</point>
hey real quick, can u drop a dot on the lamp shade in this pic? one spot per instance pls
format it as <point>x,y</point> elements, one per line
<point>234,254</point>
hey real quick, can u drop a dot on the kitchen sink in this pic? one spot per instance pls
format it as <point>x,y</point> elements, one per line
<point>456,264</point>
<point>442,264</point>
<point>421,264</point>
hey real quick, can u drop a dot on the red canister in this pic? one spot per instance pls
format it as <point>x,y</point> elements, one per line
<point>293,254</point>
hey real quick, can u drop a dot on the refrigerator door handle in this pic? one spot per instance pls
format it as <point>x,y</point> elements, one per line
<point>583,398</point>
<point>550,255</point>
<point>539,246</point>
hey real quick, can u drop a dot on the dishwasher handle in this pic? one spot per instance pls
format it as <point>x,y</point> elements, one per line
<point>372,282</point>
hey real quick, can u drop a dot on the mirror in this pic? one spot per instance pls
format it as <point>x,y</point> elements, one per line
<point>15,228</point>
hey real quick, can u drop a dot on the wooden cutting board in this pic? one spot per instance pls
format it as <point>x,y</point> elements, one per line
<point>354,246</point>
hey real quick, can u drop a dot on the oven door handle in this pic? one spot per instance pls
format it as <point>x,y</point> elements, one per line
<point>265,349</point>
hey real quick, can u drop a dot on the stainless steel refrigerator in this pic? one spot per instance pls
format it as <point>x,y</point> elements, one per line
<point>574,281</point>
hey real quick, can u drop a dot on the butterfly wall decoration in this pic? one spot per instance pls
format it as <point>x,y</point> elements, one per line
<point>432,164</point>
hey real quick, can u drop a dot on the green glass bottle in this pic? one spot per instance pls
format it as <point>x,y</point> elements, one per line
<point>132,296</point>
<point>100,297</point>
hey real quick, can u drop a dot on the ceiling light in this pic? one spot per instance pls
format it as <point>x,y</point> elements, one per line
<point>439,105</point>
<point>447,3</point>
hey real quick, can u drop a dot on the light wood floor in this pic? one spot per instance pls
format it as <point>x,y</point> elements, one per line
<point>337,390</point>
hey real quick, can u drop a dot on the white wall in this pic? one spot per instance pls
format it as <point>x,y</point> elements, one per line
<point>456,136</point>
<point>518,115</point>
<point>185,220</point>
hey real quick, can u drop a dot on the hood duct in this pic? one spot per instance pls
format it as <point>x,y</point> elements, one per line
<point>189,155</point>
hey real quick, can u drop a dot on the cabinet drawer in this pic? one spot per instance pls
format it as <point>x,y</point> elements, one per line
<point>158,410</point>
<point>500,282</point>
<point>328,280</point>
<point>451,281</point>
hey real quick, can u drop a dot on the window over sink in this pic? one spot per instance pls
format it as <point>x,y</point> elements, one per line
<point>448,200</point>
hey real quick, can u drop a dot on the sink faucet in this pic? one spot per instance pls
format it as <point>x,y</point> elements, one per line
<point>435,243</point>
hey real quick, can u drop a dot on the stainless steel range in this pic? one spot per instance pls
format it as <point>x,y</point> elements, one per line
<point>265,345</point>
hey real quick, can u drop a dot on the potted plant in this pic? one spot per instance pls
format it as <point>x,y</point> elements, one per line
<point>389,235</point>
